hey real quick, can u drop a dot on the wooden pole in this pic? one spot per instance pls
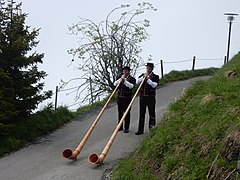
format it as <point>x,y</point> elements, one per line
<point>193,65</point>
<point>225,59</point>
<point>161,66</point>
<point>67,153</point>
<point>91,91</point>
<point>94,158</point>
<point>56,98</point>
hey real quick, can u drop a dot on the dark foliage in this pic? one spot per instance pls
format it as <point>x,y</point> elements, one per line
<point>20,79</point>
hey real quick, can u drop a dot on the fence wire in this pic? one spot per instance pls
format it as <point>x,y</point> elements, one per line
<point>177,61</point>
<point>142,66</point>
<point>62,90</point>
<point>204,59</point>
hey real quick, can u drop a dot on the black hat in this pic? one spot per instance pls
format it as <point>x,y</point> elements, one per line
<point>126,68</point>
<point>150,65</point>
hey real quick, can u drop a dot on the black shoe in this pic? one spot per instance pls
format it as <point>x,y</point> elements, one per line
<point>138,133</point>
<point>126,131</point>
<point>120,129</point>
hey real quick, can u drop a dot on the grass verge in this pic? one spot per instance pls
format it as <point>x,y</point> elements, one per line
<point>187,74</point>
<point>17,135</point>
<point>94,105</point>
<point>198,137</point>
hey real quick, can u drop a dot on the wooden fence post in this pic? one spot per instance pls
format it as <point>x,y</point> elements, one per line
<point>161,67</point>
<point>225,59</point>
<point>91,90</point>
<point>56,98</point>
<point>193,65</point>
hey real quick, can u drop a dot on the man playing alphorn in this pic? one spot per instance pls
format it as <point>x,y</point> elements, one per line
<point>147,97</point>
<point>125,96</point>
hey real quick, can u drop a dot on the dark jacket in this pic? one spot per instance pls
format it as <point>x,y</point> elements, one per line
<point>147,89</point>
<point>123,90</point>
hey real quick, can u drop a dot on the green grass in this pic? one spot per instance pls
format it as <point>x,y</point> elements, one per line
<point>94,105</point>
<point>192,132</point>
<point>17,135</point>
<point>187,74</point>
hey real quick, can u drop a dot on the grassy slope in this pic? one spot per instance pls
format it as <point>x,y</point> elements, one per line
<point>192,133</point>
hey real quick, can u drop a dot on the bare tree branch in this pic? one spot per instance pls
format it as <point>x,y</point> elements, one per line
<point>108,46</point>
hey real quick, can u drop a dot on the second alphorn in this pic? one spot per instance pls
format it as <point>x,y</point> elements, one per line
<point>95,158</point>
<point>67,153</point>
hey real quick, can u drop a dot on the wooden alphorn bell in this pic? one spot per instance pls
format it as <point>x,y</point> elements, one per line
<point>67,153</point>
<point>94,158</point>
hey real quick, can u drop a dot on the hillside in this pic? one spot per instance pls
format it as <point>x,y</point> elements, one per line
<point>198,137</point>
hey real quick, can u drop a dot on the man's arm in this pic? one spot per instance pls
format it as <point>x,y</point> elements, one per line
<point>139,80</point>
<point>151,83</point>
<point>128,84</point>
<point>117,82</point>
<point>154,82</point>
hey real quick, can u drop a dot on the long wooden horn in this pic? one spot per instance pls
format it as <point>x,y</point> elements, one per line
<point>67,153</point>
<point>95,158</point>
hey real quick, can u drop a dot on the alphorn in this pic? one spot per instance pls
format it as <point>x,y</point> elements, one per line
<point>67,153</point>
<point>94,158</point>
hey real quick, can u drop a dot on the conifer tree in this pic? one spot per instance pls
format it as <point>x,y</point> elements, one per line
<point>20,80</point>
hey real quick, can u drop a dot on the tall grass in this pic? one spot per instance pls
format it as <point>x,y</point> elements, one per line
<point>193,132</point>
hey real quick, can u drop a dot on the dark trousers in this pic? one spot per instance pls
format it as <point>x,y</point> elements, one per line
<point>122,106</point>
<point>150,102</point>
